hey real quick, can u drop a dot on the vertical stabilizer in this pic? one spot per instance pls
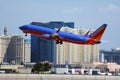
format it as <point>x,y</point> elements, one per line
<point>99,32</point>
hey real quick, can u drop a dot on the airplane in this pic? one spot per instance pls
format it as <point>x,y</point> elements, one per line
<point>60,36</point>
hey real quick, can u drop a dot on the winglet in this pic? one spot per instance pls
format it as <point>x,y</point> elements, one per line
<point>99,32</point>
<point>87,33</point>
<point>58,30</point>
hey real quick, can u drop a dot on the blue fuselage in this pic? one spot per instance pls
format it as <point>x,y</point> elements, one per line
<point>62,34</point>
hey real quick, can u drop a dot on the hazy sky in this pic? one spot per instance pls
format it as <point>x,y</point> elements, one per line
<point>88,14</point>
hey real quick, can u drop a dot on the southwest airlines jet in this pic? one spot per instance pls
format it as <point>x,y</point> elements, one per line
<point>60,36</point>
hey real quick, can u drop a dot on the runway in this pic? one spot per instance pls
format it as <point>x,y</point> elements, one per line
<point>55,77</point>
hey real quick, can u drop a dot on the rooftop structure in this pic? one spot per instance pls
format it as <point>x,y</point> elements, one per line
<point>5,30</point>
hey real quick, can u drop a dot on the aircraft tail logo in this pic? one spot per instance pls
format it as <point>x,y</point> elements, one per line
<point>99,32</point>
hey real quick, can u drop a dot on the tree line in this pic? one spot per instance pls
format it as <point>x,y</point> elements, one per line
<point>41,67</point>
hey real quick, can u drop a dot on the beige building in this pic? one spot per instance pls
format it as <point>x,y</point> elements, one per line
<point>27,50</point>
<point>75,53</point>
<point>11,49</point>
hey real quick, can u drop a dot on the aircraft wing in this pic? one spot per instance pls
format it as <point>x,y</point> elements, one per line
<point>71,36</point>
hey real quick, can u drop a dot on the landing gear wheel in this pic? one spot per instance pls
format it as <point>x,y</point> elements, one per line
<point>26,34</point>
<point>61,42</point>
<point>57,42</point>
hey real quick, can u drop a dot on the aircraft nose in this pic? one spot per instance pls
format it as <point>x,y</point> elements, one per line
<point>22,27</point>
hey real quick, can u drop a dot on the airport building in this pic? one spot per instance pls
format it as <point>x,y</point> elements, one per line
<point>67,53</point>
<point>112,56</point>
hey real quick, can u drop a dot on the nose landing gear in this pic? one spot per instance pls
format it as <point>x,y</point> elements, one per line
<point>25,34</point>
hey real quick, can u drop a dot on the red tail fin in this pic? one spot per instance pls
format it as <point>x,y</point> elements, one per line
<point>99,32</point>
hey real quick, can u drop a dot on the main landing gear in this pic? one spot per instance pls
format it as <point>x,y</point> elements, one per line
<point>59,42</point>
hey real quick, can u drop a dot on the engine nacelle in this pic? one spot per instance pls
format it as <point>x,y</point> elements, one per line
<point>54,35</point>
